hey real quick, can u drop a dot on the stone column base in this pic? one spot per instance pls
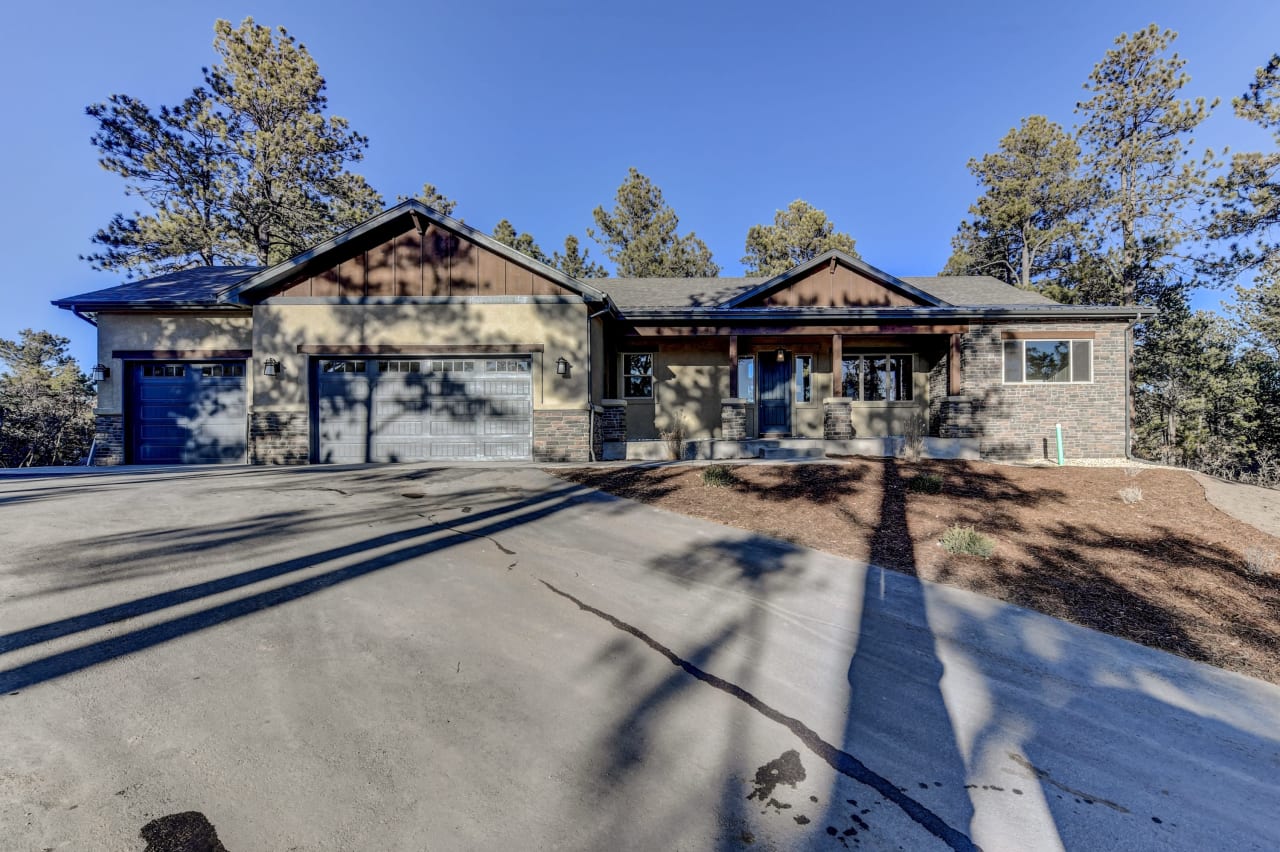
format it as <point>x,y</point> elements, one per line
<point>733,419</point>
<point>837,419</point>
<point>108,437</point>
<point>561,435</point>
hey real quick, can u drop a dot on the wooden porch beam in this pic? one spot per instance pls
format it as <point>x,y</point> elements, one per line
<point>955,377</point>
<point>795,330</point>
<point>837,364</point>
<point>733,366</point>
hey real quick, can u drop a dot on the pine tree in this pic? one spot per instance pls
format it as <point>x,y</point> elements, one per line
<point>505,233</point>
<point>577,263</point>
<point>797,235</point>
<point>1136,140</point>
<point>640,235</point>
<point>46,403</point>
<point>435,199</point>
<point>1250,191</point>
<point>247,168</point>
<point>1026,227</point>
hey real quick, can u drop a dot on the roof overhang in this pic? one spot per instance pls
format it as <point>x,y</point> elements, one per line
<point>889,315</point>
<point>409,213</point>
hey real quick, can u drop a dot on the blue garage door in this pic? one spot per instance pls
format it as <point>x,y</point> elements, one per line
<point>187,412</point>
<point>423,409</point>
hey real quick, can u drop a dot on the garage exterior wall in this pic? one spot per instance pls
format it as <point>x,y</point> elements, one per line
<point>280,419</point>
<point>155,332</point>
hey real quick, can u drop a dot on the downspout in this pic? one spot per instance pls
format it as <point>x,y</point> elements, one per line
<point>591,410</point>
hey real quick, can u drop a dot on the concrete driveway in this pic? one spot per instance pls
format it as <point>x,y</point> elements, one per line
<point>467,658</point>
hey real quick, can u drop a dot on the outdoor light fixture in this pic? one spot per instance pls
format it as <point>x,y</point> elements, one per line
<point>100,372</point>
<point>562,366</point>
<point>782,356</point>
<point>270,367</point>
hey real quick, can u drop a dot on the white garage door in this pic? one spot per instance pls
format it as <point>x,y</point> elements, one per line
<point>477,408</point>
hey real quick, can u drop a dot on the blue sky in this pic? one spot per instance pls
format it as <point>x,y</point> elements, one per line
<point>534,112</point>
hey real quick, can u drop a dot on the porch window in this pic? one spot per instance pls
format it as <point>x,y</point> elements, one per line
<point>747,379</point>
<point>637,375</point>
<point>1055,361</point>
<point>878,378</point>
<point>804,378</point>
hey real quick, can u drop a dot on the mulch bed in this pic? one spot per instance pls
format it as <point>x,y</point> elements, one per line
<point>1168,572</point>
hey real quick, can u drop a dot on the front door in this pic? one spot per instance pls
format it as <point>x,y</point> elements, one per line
<point>775,394</point>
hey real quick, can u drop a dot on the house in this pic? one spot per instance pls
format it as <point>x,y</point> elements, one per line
<point>414,337</point>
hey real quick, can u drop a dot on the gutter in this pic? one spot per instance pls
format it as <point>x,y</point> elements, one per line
<point>727,316</point>
<point>591,411</point>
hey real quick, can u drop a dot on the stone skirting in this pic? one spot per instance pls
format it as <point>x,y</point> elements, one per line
<point>108,438</point>
<point>562,435</point>
<point>733,419</point>
<point>610,427</point>
<point>278,437</point>
<point>837,419</point>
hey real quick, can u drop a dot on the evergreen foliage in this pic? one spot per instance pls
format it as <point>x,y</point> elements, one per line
<point>576,262</point>
<point>46,403</point>
<point>640,235</point>
<point>797,235</point>
<point>505,233</point>
<point>248,168</point>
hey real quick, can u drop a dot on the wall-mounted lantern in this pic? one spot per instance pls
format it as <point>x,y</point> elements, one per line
<point>782,356</point>
<point>562,366</point>
<point>271,367</point>
<point>99,373</point>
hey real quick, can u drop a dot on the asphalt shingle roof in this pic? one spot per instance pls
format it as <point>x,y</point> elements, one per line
<point>200,285</point>
<point>975,290</point>
<point>674,292</point>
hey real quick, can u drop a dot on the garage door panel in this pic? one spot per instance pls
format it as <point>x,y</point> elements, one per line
<point>187,413</point>
<point>425,409</point>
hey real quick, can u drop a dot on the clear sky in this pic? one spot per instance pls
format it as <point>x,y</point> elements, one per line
<point>534,111</point>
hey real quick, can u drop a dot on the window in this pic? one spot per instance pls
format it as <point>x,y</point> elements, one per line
<point>1048,361</point>
<point>399,366</point>
<point>804,378</point>
<point>342,366</point>
<point>637,375</point>
<point>877,378</point>
<point>164,370</point>
<point>218,370</point>
<point>747,379</point>
<point>452,366</point>
<point>507,365</point>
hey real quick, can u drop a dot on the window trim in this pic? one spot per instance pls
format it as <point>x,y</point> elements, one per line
<point>623,375</point>
<point>858,400</point>
<point>750,395</point>
<point>1022,342</point>
<point>795,378</point>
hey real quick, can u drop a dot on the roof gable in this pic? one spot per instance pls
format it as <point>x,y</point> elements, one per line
<point>411,250</point>
<point>834,279</point>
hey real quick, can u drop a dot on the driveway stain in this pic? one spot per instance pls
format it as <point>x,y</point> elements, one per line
<point>839,760</point>
<point>786,769</point>
<point>1042,775</point>
<point>189,831</point>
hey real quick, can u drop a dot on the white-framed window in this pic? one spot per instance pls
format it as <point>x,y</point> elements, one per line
<point>878,378</point>
<point>637,375</point>
<point>804,378</point>
<point>1048,361</point>
<point>747,379</point>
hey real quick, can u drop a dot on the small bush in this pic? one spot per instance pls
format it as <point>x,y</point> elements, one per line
<point>717,476</point>
<point>925,483</point>
<point>968,541</point>
<point>1261,563</point>
<point>913,435</point>
<point>675,438</point>
<point>1131,495</point>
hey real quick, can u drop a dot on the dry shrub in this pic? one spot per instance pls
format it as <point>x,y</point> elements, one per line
<point>1131,495</point>
<point>967,540</point>
<point>675,438</point>
<point>717,476</point>
<point>1259,562</point>
<point>913,438</point>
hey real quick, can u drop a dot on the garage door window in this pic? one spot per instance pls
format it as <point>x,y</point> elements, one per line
<point>159,371</point>
<point>399,366</point>
<point>222,370</point>
<point>510,365</point>
<point>342,366</point>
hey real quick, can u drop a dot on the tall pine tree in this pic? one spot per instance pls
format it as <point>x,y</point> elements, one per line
<point>640,235</point>
<point>798,234</point>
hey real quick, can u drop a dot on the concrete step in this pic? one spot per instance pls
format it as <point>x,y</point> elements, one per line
<point>780,453</point>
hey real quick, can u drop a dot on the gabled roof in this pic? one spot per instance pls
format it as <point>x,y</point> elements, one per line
<point>844,259</point>
<point>976,290</point>
<point>201,285</point>
<point>674,292</point>
<point>416,213</point>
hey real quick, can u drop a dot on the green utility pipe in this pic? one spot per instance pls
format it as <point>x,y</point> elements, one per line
<point>1061,459</point>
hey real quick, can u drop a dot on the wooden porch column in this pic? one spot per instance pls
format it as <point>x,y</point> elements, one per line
<point>733,366</point>
<point>955,378</point>
<point>837,365</point>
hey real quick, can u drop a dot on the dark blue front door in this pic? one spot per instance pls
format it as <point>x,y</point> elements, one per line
<point>775,394</point>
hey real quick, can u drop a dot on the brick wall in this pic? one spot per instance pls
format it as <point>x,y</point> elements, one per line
<point>1016,421</point>
<point>108,434</point>
<point>278,437</point>
<point>561,435</point>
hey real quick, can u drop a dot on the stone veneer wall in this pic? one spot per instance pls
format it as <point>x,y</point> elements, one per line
<point>108,434</point>
<point>938,394</point>
<point>1016,421</point>
<point>837,419</point>
<point>561,435</point>
<point>733,419</point>
<point>278,437</point>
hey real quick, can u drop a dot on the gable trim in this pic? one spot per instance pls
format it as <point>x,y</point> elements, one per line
<point>836,256</point>
<point>415,212</point>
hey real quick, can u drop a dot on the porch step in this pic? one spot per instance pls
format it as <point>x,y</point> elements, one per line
<point>780,453</point>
